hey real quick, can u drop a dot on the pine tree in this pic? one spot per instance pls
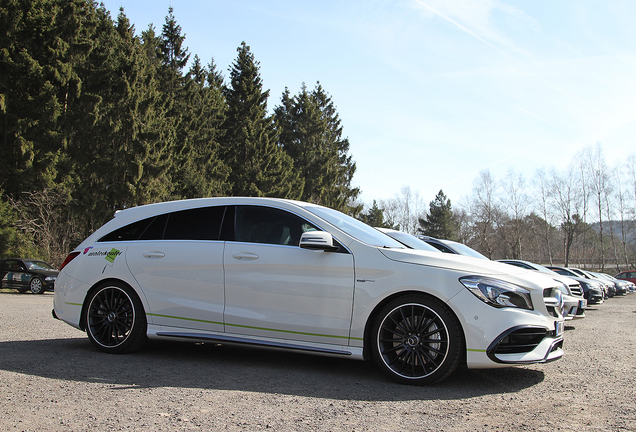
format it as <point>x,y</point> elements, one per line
<point>42,43</point>
<point>120,150</point>
<point>310,132</point>
<point>173,55</point>
<point>201,172</point>
<point>439,222</point>
<point>259,166</point>
<point>374,217</point>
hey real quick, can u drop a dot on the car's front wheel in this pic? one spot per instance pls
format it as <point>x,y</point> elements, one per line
<point>417,339</point>
<point>36,286</point>
<point>115,318</point>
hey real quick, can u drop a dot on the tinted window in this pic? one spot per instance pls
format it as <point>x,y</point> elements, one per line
<point>269,225</point>
<point>13,265</point>
<point>518,264</point>
<point>129,232</point>
<point>155,229</point>
<point>196,224</point>
<point>441,247</point>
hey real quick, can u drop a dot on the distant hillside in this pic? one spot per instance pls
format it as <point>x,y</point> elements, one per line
<point>630,229</point>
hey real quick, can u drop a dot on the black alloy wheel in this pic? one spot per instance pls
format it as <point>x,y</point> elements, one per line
<point>417,340</point>
<point>36,286</point>
<point>115,319</point>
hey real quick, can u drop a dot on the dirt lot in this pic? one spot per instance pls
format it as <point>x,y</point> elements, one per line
<point>51,379</point>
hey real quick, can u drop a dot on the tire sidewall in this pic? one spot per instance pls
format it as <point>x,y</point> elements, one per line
<point>137,335</point>
<point>453,330</point>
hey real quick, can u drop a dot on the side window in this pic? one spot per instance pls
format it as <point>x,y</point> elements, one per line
<point>202,223</point>
<point>441,247</point>
<point>129,232</point>
<point>269,225</point>
<point>13,265</point>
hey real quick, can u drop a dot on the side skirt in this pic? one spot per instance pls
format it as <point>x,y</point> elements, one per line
<point>232,340</point>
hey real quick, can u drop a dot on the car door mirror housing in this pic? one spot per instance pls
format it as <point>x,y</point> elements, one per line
<point>318,240</point>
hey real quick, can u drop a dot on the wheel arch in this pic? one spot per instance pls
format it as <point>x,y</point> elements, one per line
<point>368,327</point>
<point>97,285</point>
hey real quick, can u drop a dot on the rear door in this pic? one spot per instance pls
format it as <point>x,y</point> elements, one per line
<point>179,266</point>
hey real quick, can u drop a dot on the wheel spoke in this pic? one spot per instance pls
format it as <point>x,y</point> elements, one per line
<point>110,317</point>
<point>413,341</point>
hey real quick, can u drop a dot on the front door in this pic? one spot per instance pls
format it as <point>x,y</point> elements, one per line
<point>275,289</point>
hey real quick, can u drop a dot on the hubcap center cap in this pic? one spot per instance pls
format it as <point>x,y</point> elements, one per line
<point>112,316</point>
<point>413,341</point>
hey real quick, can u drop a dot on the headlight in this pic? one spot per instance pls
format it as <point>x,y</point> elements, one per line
<point>50,279</point>
<point>498,293</point>
<point>564,288</point>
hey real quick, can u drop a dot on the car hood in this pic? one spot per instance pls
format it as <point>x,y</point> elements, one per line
<point>452,262</point>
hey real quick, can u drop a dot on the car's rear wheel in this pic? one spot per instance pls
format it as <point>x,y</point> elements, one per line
<point>36,286</point>
<point>115,318</point>
<point>417,340</point>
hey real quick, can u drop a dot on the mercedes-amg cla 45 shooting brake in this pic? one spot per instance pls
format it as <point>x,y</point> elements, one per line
<point>298,276</point>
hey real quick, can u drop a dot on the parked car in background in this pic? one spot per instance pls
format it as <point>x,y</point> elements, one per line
<point>24,275</point>
<point>453,247</point>
<point>301,277</point>
<point>594,292</point>
<point>573,300</point>
<point>627,275</point>
<point>620,287</point>
<point>610,289</point>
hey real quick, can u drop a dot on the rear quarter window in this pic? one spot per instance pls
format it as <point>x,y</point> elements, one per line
<point>202,223</point>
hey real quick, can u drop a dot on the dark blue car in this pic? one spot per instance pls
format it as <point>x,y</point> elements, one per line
<point>27,275</point>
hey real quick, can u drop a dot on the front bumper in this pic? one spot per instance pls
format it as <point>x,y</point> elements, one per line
<point>527,344</point>
<point>501,337</point>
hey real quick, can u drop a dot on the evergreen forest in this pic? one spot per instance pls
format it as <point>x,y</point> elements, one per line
<point>96,117</point>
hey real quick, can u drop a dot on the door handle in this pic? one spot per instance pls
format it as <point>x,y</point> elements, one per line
<point>244,255</point>
<point>154,254</point>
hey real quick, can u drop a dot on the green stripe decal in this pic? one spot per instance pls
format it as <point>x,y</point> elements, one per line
<point>73,304</point>
<point>184,319</point>
<point>287,331</point>
<point>254,327</point>
<point>476,350</point>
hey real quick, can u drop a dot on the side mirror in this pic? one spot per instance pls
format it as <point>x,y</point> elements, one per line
<point>317,240</point>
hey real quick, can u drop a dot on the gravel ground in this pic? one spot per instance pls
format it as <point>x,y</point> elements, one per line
<point>51,379</point>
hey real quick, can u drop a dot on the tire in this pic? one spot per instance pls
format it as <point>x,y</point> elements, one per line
<point>417,340</point>
<point>36,286</point>
<point>115,319</point>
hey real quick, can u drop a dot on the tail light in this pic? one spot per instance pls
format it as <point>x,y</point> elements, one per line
<point>68,259</point>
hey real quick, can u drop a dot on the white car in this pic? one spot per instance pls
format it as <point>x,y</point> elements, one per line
<point>298,276</point>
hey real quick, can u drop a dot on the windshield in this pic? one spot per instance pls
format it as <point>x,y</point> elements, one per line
<point>38,265</point>
<point>543,269</point>
<point>354,227</point>
<point>465,250</point>
<point>410,241</point>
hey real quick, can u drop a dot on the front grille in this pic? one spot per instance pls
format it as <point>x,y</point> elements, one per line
<point>576,289</point>
<point>521,341</point>
<point>554,302</point>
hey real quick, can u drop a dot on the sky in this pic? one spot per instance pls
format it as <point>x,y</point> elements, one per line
<point>432,92</point>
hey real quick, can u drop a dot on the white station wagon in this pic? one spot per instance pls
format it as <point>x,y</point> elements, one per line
<point>297,276</point>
